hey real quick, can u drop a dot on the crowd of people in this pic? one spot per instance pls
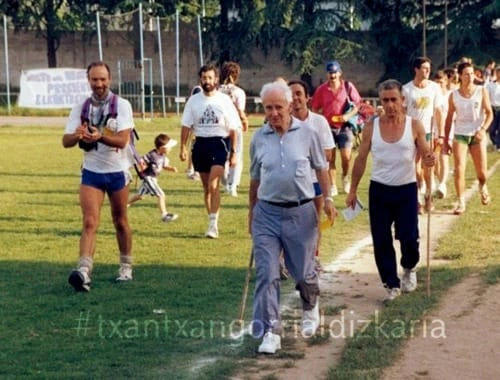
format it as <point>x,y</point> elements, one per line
<point>293,168</point>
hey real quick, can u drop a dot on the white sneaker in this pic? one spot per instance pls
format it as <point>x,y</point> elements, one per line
<point>334,191</point>
<point>270,343</point>
<point>125,272</point>
<point>310,320</point>
<point>409,280</point>
<point>423,188</point>
<point>441,191</point>
<point>213,230</point>
<point>80,279</point>
<point>392,294</point>
<point>168,217</point>
<point>346,182</point>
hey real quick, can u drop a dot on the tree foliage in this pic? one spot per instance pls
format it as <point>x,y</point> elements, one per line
<point>306,32</point>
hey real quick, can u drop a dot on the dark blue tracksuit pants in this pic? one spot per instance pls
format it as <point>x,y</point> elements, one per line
<point>396,205</point>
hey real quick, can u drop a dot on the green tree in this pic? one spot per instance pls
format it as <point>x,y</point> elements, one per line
<point>52,19</point>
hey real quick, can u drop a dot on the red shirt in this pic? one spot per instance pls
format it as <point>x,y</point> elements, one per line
<point>332,102</point>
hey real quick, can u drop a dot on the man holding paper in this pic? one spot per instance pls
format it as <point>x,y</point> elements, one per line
<point>394,139</point>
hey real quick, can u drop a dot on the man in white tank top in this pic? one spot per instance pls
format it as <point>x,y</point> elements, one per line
<point>394,140</point>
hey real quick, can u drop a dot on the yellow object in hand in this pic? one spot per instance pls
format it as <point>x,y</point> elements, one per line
<point>325,224</point>
<point>337,119</point>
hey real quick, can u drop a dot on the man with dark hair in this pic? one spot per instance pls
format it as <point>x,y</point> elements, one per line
<point>103,135</point>
<point>300,99</point>
<point>424,101</point>
<point>212,117</point>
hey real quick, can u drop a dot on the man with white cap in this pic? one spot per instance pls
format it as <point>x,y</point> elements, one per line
<point>331,99</point>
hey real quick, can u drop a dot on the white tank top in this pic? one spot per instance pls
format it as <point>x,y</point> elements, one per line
<point>468,112</point>
<point>393,163</point>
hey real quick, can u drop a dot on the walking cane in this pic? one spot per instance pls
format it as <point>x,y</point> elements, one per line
<point>429,212</point>
<point>245,288</point>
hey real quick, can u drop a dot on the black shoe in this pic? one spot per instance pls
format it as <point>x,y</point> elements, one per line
<point>79,280</point>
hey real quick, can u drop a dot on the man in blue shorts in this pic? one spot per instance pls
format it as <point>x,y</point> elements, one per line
<point>212,117</point>
<point>103,135</point>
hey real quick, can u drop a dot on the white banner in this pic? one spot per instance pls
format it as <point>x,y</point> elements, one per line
<point>53,88</point>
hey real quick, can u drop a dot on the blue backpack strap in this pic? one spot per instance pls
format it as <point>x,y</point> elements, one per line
<point>84,115</point>
<point>113,106</point>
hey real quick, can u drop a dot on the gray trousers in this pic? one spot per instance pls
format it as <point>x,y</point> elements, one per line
<point>293,230</point>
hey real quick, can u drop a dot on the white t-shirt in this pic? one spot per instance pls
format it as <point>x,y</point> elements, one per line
<point>105,159</point>
<point>320,124</point>
<point>422,102</point>
<point>236,94</point>
<point>494,92</point>
<point>210,116</point>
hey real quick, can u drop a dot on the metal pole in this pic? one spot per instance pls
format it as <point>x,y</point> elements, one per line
<point>424,42</point>
<point>200,42</point>
<point>162,79</point>
<point>119,78</point>
<point>6,47</point>
<point>141,35</point>
<point>151,90</point>
<point>446,33</point>
<point>99,40</point>
<point>177,59</point>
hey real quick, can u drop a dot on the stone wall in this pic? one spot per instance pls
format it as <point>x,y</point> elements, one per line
<point>27,51</point>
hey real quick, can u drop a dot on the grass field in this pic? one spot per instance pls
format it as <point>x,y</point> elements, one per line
<point>174,319</point>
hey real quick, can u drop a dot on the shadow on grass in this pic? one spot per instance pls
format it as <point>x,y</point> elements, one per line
<point>160,325</point>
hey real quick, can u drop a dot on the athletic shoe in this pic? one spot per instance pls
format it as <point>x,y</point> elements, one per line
<point>346,182</point>
<point>460,208</point>
<point>409,281</point>
<point>310,320</point>
<point>125,272</point>
<point>194,176</point>
<point>441,191</point>
<point>334,191</point>
<point>80,280</point>
<point>212,231</point>
<point>270,343</point>
<point>392,294</point>
<point>485,195</point>
<point>168,217</point>
<point>423,188</point>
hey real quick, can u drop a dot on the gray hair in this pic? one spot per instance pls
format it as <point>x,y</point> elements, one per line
<point>390,84</point>
<point>277,86</point>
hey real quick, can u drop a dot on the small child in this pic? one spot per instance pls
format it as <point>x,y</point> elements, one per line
<point>150,166</point>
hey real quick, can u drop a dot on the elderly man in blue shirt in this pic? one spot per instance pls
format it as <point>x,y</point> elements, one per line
<point>282,215</point>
